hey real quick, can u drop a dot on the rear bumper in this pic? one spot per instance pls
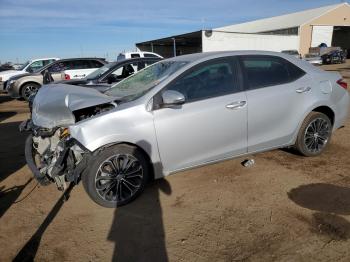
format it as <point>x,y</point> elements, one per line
<point>342,111</point>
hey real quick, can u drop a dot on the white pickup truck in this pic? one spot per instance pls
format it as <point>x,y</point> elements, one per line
<point>28,67</point>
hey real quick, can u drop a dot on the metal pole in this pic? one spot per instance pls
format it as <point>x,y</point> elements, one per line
<point>152,47</point>
<point>174,45</point>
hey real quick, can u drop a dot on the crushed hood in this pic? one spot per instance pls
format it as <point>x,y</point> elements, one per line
<point>54,104</point>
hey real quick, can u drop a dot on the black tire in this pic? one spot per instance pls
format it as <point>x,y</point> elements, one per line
<point>313,143</point>
<point>29,89</point>
<point>118,183</point>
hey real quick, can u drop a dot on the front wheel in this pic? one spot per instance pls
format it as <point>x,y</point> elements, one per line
<point>116,176</point>
<point>314,134</point>
<point>28,90</point>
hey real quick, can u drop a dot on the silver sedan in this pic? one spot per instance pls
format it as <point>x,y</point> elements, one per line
<point>181,113</point>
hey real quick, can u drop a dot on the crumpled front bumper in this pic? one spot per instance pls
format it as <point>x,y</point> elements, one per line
<point>28,152</point>
<point>71,174</point>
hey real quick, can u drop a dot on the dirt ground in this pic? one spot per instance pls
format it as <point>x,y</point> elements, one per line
<point>284,208</point>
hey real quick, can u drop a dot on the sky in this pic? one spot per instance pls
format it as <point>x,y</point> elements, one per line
<point>104,28</point>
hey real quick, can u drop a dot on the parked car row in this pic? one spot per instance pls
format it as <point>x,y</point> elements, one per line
<point>89,72</point>
<point>176,114</point>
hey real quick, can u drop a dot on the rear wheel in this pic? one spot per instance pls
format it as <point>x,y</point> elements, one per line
<point>29,89</point>
<point>314,134</point>
<point>116,176</point>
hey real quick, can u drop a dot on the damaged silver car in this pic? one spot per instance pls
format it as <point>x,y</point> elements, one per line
<point>177,114</point>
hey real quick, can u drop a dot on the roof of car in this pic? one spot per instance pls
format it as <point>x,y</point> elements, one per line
<point>70,59</point>
<point>218,54</point>
<point>82,58</point>
<point>137,59</point>
<point>45,58</point>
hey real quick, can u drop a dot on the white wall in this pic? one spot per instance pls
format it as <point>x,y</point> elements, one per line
<point>321,34</point>
<point>223,41</point>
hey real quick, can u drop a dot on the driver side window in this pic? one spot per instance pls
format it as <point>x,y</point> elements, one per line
<point>206,81</point>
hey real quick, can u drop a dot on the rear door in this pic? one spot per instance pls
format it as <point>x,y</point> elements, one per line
<point>277,94</point>
<point>211,125</point>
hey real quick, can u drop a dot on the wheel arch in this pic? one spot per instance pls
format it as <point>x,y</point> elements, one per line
<point>25,83</point>
<point>327,111</point>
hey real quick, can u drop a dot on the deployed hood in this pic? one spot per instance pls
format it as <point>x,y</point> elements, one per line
<point>54,104</point>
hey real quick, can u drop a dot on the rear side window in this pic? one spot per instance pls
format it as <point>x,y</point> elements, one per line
<point>135,55</point>
<point>149,55</point>
<point>95,64</point>
<point>59,67</point>
<point>207,80</point>
<point>79,64</point>
<point>264,71</point>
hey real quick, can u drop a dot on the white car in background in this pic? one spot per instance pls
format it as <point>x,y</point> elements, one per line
<point>28,67</point>
<point>137,54</point>
<point>313,58</point>
<point>80,67</point>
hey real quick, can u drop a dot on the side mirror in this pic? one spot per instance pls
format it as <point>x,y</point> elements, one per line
<point>172,98</point>
<point>30,70</point>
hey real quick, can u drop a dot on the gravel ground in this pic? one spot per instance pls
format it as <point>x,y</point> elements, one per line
<point>284,208</point>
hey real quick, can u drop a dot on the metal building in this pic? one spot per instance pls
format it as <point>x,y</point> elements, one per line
<point>299,31</point>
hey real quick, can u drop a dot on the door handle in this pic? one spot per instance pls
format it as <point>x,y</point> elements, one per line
<point>303,89</point>
<point>236,105</point>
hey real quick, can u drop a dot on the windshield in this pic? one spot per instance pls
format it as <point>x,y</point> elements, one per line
<point>24,66</point>
<point>97,73</point>
<point>140,83</point>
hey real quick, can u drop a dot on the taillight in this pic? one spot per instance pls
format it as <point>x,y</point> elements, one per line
<point>67,77</point>
<point>342,83</point>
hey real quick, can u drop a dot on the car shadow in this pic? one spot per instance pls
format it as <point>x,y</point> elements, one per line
<point>321,197</point>
<point>29,250</point>
<point>5,115</point>
<point>9,196</point>
<point>137,228</point>
<point>4,99</point>
<point>334,227</point>
<point>12,149</point>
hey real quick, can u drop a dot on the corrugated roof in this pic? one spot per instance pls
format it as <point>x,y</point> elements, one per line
<point>280,22</point>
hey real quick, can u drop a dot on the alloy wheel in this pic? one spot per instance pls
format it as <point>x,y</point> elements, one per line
<point>119,178</point>
<point>317,135</point>
<point>29,90</point>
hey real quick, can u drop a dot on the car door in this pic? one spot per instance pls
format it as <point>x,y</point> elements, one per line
<point>211,124</point>
<point>57,70</point>
<point>277,93</point>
